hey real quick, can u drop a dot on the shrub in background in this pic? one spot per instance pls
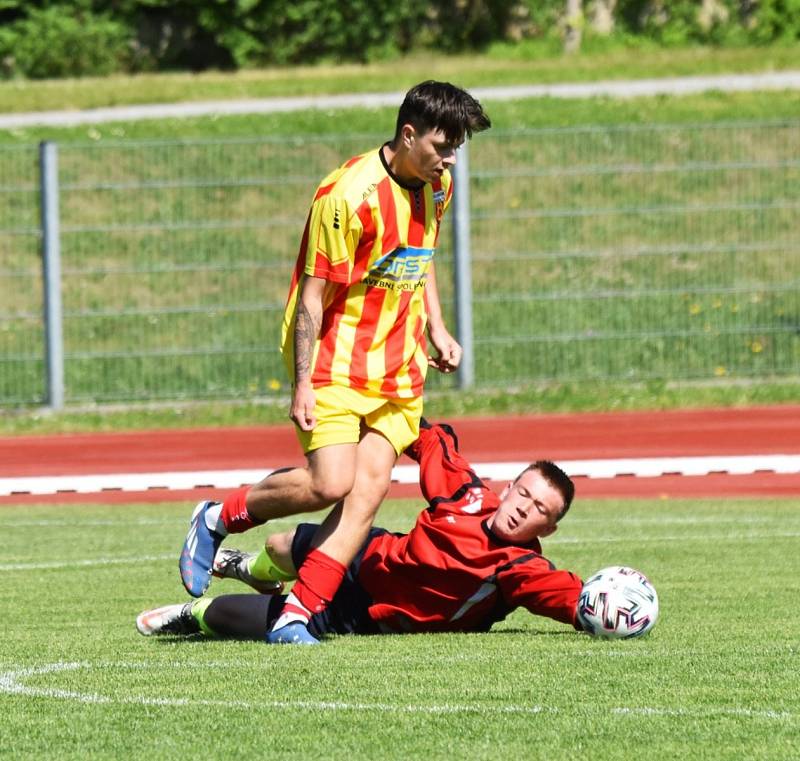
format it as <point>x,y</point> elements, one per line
<point>62,41</point>
<point>56,38</point>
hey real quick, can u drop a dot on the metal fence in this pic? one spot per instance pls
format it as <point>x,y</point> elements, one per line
<point>22,348</point>
<point>604,253</point>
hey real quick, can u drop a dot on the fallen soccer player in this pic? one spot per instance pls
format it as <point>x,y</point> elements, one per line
<point>471,559</point>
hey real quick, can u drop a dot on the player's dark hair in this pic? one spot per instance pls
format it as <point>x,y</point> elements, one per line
<point>557,478</point>
<point>439,105</point>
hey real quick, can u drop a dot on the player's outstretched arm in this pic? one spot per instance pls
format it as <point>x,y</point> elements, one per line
<point>543,589</point>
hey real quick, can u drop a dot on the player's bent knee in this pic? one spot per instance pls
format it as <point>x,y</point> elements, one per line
<point>371,492</point>
<point>279,549</point>
<point>279,544</point>
<point>330,491</point>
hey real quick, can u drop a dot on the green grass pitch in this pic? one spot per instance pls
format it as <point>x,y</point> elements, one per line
<point>716,679</point>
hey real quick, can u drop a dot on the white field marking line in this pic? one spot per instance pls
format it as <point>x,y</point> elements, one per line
<point>84,563</point>
<point>404,474</point>
<point>12,683</point>
<point>74,564</point>
<point>637,538</point>
<point>721,711</point>
<point>780,80</point>
<point>664,520</point>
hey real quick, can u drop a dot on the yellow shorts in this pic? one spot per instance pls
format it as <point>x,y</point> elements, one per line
<point>341,412</point>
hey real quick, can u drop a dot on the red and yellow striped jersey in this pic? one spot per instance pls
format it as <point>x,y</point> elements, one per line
<point>373,240</point>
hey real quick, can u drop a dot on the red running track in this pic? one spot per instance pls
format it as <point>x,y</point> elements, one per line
<point>757,431</point>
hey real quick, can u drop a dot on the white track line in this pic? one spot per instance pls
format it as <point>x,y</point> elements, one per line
<point>403,474</point>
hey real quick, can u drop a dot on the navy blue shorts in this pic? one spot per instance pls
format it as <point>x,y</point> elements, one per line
<point>348,611</point>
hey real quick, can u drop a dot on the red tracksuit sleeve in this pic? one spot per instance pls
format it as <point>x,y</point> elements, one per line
<point>444,475</point>
<point>542,589</point>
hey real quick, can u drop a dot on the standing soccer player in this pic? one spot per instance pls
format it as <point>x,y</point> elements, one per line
<point>362,295</point>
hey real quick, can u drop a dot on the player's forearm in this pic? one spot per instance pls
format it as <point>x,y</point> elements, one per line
<point>307,326</point>
<point>544,590</point>
<point>432,304</point>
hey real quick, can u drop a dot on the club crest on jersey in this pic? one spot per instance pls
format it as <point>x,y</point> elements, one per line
<point>438,200</point>
<point>474,501</point>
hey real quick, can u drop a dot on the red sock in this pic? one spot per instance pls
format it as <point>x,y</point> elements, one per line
<point>235,514</point>
<point>317,581</point>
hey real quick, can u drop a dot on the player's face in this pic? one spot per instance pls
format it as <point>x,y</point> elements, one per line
<point>429,153</point>
<point>529,508</point>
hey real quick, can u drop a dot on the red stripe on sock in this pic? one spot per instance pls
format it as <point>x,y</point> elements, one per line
<point>317,581</point>
<point>295,610</point>
<point>235,514</point>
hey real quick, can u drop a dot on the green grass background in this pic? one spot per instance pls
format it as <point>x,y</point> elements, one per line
<point>724,361</point>
<point>174,280</point>
<point>501,64</point>
<point>716,679</point>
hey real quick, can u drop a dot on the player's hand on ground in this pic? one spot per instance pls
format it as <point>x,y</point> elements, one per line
<point>302,410</point>
<point>448,351</point>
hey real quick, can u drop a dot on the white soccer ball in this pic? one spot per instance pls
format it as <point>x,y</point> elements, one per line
<point>617,603</point>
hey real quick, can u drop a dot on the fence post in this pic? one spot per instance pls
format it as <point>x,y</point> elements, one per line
<point>51,263</point>
<point>462,268</point>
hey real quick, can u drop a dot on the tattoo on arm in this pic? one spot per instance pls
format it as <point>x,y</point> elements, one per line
<point>306,330</point>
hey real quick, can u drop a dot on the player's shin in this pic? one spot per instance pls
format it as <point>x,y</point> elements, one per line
<point>241,616</point>
<point>198,610</point>
<point>264,568</point>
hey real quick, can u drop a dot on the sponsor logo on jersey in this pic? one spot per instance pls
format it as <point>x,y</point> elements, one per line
<point>403,269</point>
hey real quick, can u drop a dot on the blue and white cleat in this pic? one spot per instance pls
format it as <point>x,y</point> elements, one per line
<point>199,549</point>
<point>291,634</point>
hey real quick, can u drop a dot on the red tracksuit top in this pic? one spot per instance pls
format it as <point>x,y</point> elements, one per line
<point>450,573</point>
